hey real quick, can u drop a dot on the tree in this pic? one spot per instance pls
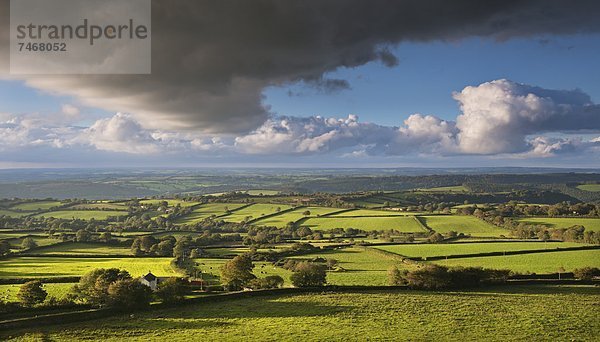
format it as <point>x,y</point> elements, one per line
<point>129,294</point>
<point>32,293</point>
<point>172,290</point>
<point>93,286</point>
<point>309,275</point>
<point>306,213</point>
<point>4,247</point>
<point>83,235</point>
<point>237,272</point>
<point>331,263</point>
<point>28,243</point>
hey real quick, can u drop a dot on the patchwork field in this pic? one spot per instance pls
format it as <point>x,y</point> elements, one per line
<point>462,224</point>
<point>36,267</point>
<point>83,214</point>
<point>171,202</point>
<point>532,263</point>
<point>80,248</point>
<point>58,290</point>
<point>211,269</point>
<point>564,222</point>
<point>400,223</point>
<point>104,206</point>
<point>207,210</point>
<point>37,205</point>
<point>589,187</point>
<point>10,213</point>
<point>360,266</point>
<point>255,211</point>
<point>456,188</point>
<point>282,220</point>
<point>367,212</point>
<point>508,314</point>
<point>429,250</point>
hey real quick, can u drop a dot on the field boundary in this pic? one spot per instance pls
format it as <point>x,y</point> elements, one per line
<point>252,221</point>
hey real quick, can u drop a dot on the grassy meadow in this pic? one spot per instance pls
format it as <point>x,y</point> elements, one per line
<point>83,214</point>
<point>405,224</point>
<point>532,263</point>
<point>462,224</point>
<point>36,205</point>
<point>564,222</point>
<point>282,220</point>
<point>508,314</point>
<point>207,210</point>
<point>82,248</point>
<point>429,250</point>
<point>255,211</point>
<point>42,267</point>
<point>359,266</point>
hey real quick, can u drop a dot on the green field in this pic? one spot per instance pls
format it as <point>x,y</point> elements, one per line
<point>255,211</point>
<point>57,290</point>
<point>207,210</point>
<point>41,241</point>
<point>507,314</point>
<point>171,202</point>
<point>405,224</point>
<point>360,266</point>
<point>11,213</point>
<point>457,188</point>
<point>429,250</point>
<point>532,263</point>
<point>105,206</point>
<point>260,192</point>
<point>83,214</point>
<point>564,222</point>
<point>462,224</point>
<point>81,248</point>
<point>36,205</point>
<point>589,187</point>
<point>367,212</point>
<point>211,267</point>
<point>282,220</point>
<point>35,267</point>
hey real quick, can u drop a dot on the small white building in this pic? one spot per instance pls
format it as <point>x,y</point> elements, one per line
<point>150,280</point>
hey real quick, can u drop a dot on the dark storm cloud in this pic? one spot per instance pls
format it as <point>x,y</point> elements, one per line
<point>211,60</point>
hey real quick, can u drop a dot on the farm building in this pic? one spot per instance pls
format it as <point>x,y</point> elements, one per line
<point>151,280</point>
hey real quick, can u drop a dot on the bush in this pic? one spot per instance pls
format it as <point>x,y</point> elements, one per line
<point>433,277</point>
<point>32,293</point>
<point>308,275</point>
<point>586,273</point>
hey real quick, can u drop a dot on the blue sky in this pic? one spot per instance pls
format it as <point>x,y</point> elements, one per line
<point>428,73</point>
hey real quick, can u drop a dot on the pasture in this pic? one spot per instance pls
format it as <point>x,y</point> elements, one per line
<point>171,202</point>
<point>429,250</point>
<point>563,222</point>
<point>456,188</point>
<point>255,211</point>
<point>369,212</point>
<point>404,224</point>
<point>98,206</point>
<point>38,267</point>
<point>359,266</point>
<point>36,205</point>
<point>81,248</point>
<point>282,220</point>
<point>207,210</point>
<point>470,225</point>
<point>58,290</point>
<point>99,215</point>
<point>589,187</point>
<point>532,263</point>
<point>516,313</point>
